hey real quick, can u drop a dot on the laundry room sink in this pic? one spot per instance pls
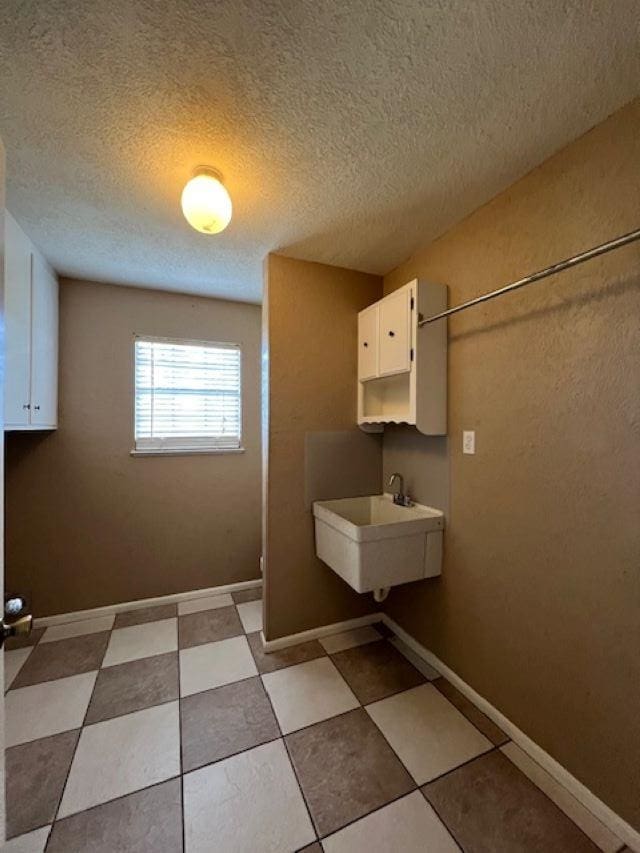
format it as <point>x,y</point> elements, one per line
<point>373,543</point>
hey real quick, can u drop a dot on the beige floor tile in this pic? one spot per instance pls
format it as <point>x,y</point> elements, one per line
<point>32,842</point>
<point>409,825</point>
<point>206,602</point>
<point>588,823</point>
<point>250,614</point>
<point>47,709</point>
<point>473,714</point>
<point>77,629</point>
<point>349,639</point>
<point>250,802</point>
<point>429,735</point>
<point>214,664</point>
<point>141,641</point>
<point>123,755</point>
<point>307,693</point>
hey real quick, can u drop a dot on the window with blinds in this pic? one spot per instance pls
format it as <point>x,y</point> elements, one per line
<point>187,395</point>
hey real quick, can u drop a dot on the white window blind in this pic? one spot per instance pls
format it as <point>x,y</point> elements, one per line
<point>187,395</point>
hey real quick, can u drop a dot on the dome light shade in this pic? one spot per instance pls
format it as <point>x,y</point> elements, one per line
<point>206,203</point>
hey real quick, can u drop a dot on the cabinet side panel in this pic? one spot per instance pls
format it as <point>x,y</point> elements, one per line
<point>431,361</point>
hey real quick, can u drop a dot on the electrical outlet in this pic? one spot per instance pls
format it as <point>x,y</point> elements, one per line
<point>469,441</point>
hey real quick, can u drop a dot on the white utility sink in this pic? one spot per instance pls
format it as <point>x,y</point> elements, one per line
<point>374,544</point>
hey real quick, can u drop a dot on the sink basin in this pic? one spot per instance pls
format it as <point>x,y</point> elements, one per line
<point>373,544</point>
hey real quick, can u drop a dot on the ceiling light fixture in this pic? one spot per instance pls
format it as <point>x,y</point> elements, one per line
<point>206,204</point>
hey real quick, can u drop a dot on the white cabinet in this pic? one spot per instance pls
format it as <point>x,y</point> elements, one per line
<point>368,343</point>
<point>402,370</point>
<point>31,334</point>
<point>17,309</point>
<point>44,345</point>
<point>395,335</point>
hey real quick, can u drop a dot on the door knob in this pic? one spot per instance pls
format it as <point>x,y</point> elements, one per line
<point>16,627</point>
<point>15,621</point>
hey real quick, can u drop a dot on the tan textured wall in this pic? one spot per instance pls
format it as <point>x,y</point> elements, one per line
<point>89,525</point>
<point>311,326</point>
<point>539,604</point>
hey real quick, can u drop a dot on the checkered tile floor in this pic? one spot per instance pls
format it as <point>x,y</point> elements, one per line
<point>169,729</point>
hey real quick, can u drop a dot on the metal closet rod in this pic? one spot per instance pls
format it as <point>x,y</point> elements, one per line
<point>537,276</point>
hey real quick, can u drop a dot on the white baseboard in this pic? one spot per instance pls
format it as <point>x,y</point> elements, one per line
<point>614,823</point>
<point>109,609</point>
<point>316,633</point>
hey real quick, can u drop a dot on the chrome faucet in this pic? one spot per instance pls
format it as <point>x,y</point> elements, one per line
<point>399,497</point>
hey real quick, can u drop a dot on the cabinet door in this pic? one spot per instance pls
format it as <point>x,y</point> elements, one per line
<point>44,345</point>
<point>368,343</point>
<point>395,337</point>
<point>17,306</point>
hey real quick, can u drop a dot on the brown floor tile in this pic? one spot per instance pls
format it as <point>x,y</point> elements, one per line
<point>473,714</point>
<point>247,595</point>
<point>49,661</point>
<point>346,769</point>
<point>376,670</point>
<point>149,821</point>
<point>285,657</point>
<point>208,626</point>
<point>145,614</point>
<point>218,723</point>
<point>134,686</point>
<point>23,642</point>
<point>311,848</point>
<point>383,630</point>
<point>489,806</point>
<point>36,773</point>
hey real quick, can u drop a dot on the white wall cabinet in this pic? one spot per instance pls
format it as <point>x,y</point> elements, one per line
<point>402,369</point>
<point>31,334</point>
<point>395,334</point>
<point>368,343</point>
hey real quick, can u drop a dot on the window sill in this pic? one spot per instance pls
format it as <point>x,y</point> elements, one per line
<point>204,451</point>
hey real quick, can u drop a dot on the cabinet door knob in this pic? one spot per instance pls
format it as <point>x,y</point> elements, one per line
<point>365,344</point>
<point>392,334</point>
<point>27,406</point>
<point>37,408</point>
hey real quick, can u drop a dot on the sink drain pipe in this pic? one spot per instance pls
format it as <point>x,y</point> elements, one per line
<point>381,593</point>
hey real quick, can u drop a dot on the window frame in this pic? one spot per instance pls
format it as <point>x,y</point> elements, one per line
<point>201,446</point>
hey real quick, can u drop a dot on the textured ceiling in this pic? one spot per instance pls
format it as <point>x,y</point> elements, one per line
<point>348,131</point>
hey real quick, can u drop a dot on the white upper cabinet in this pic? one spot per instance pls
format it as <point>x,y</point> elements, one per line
<point>395,336</point>
<point>368,343</point>
<point>402,370</point>
<point>44,345</point>
<point>31,334</point>
<point>17,311</point>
